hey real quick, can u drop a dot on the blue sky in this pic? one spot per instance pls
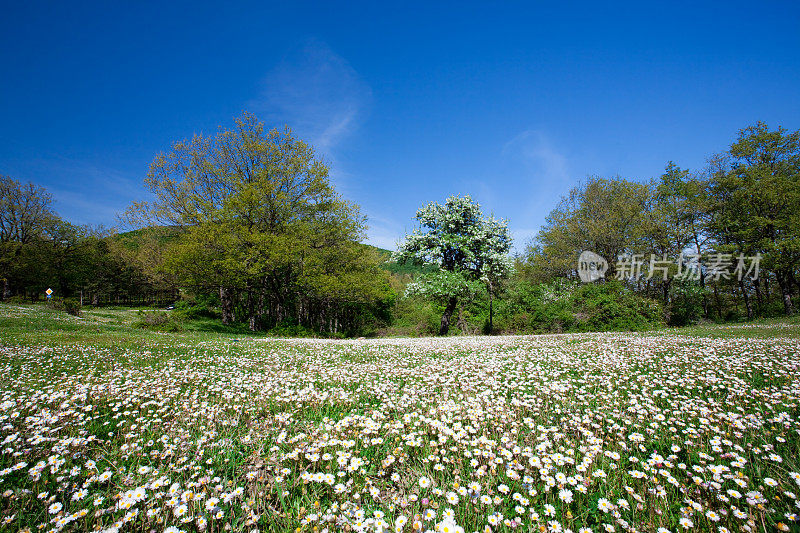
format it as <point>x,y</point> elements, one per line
<point>513,104</point>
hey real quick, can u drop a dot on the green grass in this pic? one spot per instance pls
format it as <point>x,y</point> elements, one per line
<point>212,409</point>
<point>786,327</point>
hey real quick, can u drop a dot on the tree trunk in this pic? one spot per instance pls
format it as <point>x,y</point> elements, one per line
<point>746,300</point>
<point>6,290</point>
<point>702,278</point>
<point>255,308</point>
<point>491,314</point>
<point>462,325</point>
<point>665,295</point>
<point>448,313</point>
<point>759,302</point>
<point>705,296</point>
<point>786,294</point>
<point>251,309</point>
<point>226,305</point>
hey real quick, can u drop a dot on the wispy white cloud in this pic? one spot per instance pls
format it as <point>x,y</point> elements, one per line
<point>324,100</point>
<point>318,93</point>
<point>545,175</point>
<point>321,96</point>
<point>522,236</point>
<point>544,162</point>
<point>84,207</point>
<point>383,232</point>
<point>84,192</point>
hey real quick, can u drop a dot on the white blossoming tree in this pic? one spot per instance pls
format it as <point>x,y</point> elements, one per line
<point>471,251</point>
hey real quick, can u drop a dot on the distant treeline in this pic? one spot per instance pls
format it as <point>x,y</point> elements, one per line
<point>246,229</point>
<point>40,251</point>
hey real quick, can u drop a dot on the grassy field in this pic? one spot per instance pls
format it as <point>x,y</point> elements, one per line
<point>108,427</point>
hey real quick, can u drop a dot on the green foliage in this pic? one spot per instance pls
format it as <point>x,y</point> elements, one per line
<point>140,238</point>
<point>743,204</point>
<point>158,321</point>
<point>199,306</point>
<point>467,248</point>
<point>606,216</point>
<point>755,194</point>
<point>564,306</point>
<point>537,308</point>
<point>291,328</point>
<point>264,228</point>
<point>40,250</point>
<point>415,317</point>
<point>686,305</point>
<point>70,306</point>
<point>612,307</point>
<point>248,225</point>
<point>399,268</point>
<point>25,212</point>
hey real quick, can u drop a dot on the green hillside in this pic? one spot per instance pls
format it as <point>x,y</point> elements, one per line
<point>133,239</point>
<point>399,268</point>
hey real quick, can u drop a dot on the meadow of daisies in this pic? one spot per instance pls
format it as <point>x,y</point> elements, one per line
<point>104,427</point>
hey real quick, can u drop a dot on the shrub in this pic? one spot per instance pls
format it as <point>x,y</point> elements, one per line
<point>200,306</point>
<point>536,308</point>
<point>609,306</point>
<point>68,305</point>
<point>17,300</point>
<point>158,321</point>
<point>72,306</point>
<point>291,328</point>
<point>563,306</point>
<point>416,317</point>
<point>686,307</point>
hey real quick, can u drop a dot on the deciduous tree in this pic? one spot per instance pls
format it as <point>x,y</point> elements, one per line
<point>468,248</point>
<point>262,223</point>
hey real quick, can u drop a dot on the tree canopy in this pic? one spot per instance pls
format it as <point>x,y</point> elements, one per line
<point>743,204</point>
<point>245,225</point>
<point>468,248</point>
<point>264,225</point>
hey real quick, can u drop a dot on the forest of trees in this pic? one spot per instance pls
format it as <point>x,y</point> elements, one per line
<point>264,228</point>
<point>246,228</point>
<point>744,204</point>
<point>39,250</point>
